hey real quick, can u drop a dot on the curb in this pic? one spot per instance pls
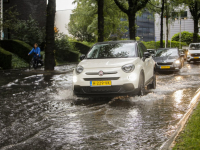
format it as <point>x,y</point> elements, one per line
<point>168,145</point>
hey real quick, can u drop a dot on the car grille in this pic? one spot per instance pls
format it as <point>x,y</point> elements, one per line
<point>110,89</point>
<point>168,63</point>
<point>97,73</point>
<point>194,55</point>
<point>101,79</point>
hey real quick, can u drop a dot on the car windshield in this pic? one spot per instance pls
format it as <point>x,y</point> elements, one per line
<point>112,50</point>
<point>194,47</point>
<point>166,52</point>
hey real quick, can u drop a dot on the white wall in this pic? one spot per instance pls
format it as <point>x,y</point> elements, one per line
<point>62,19</point>
<point>186,25</point>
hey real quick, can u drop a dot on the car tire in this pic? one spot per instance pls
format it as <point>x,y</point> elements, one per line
<point>141,86</point>
<point>153,84</point>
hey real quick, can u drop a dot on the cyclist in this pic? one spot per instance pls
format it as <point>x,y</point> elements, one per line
<point>36,54</point>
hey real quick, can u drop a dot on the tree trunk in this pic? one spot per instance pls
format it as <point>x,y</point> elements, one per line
<point>167,25</point>
<point>100,21</point>
<point>132,28</point>
<point>195,35</point>
<point>50,39</point>
<point>161,24</point>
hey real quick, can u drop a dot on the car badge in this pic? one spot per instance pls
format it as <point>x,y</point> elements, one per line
<point>100,73</point>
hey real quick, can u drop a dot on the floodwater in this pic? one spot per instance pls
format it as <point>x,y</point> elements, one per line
<point>39,112</point>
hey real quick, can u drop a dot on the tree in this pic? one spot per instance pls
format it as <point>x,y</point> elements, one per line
<point>50,37</point>
<point>161,23</point>
<point>100,21</point>
<point>130,9</point>
<point>194,6</point>
<point>84,20</point>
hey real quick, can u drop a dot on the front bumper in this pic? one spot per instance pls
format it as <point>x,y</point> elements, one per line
<point>105,91</point>
<point>190,58</point>
<point>171,68</point>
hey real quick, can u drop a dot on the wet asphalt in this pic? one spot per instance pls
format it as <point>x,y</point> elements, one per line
<point>39,112</point>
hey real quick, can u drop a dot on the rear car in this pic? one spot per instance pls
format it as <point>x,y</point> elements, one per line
<point>193,52</point>
<point>117,68</point>
<point>168,59</point>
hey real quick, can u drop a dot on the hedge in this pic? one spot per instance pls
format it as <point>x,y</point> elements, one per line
<point>82,48</point>
<point>153,45</point>
<point>17,47</point>
<point>5,59</point>
<point>73,56</point>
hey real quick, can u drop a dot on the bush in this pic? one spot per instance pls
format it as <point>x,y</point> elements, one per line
<point>185,37</point>
<point>64,50</point>
<point>153,45</point>
<point>82,48</point>
<point>5,59</point>
<point>17,47</point>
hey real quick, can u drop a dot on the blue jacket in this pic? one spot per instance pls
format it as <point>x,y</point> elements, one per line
<point>35,51</point>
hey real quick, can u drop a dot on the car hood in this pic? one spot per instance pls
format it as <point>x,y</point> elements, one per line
<point>194,51</point>
<point>165,59</point>
<point>107,63</point>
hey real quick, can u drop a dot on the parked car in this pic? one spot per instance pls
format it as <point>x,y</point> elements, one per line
<point>168,59</point>
<point>193,52</point>
<point>151,51</point>
<point>114,68</point>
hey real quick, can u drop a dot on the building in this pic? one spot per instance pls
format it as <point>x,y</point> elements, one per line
<point>62,19</point>
<point>145,27</point>
<point>186,23</point>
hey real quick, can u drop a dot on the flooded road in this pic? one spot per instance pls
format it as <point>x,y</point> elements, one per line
<point>39,112</point>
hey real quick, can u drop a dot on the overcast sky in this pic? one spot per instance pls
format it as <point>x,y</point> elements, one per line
<point>64,4</point>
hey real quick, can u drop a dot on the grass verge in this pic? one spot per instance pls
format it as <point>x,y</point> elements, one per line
<point>189,138</point>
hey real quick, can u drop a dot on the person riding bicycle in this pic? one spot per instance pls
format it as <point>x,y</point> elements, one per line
<point>36,54</point>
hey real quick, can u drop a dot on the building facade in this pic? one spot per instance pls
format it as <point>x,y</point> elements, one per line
<point>62,19</point>
<point>176,25</point>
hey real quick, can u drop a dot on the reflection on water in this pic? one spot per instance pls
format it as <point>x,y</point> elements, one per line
<point>40,112</point>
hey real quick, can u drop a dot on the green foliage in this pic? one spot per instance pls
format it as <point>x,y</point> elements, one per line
<point>82,48</point>
<point>155,45</point>
<point>64,50</point>
<point>189,137</point>
<point>5,59</point>
<point>17,62</point>
<point>17,47</point>
<point>28,31</point>
<point>185,37</point>
<point>83,23</point>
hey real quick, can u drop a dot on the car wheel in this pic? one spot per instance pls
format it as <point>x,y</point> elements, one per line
<point>141,86</point>
<point>153,84</point>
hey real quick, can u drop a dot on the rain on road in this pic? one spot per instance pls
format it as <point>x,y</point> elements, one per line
<point>39,112</point>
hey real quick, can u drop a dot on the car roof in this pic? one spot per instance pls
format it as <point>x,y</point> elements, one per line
<point>121,41</point>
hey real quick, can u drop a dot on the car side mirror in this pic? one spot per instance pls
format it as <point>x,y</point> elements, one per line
<point>82,57</point>
<point>147,54</point>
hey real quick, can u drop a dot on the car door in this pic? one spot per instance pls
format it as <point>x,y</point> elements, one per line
<point>147,63</point>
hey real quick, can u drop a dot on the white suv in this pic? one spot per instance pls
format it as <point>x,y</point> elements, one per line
<point>117,68</point>
<point>193,52</point>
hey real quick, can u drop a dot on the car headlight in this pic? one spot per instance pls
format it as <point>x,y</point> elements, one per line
<point>177,62</point>
<point>79,69</point>
<point>74,79</point>
<point>128,68</point>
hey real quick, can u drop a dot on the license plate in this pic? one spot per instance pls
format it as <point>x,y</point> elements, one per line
<point>164,67</point>
<point>196,57</point>
<point>100,83</point>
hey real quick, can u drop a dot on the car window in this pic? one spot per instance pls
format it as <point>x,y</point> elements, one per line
<point>142,49</point>
<point>195,46</point>
<point>166,52</point>
<point>112,50</point>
